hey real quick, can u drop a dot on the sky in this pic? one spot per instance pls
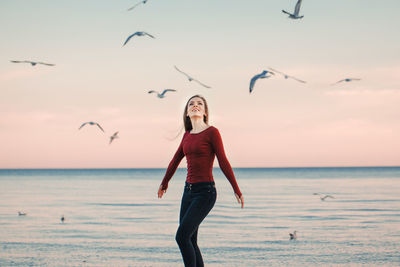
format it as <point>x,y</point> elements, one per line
<point>282,123</point>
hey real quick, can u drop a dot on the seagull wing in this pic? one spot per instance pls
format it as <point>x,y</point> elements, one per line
<point>47,64</point>
<point>168,90</point>
<point>83,124</point>
<point>152,91</point>
<point>129,37</point>
<point>338,82</point>
<point>99,126</point>
<point>17,61</point>
<point>297,8</point>
<point>129,9</point>
<point>284,11</point>
<point>253,81</point>
<point>202,84</point>
<point>294,78</point>
<point>277,71</point>
<point>149,35</point>
<point>184,73</point>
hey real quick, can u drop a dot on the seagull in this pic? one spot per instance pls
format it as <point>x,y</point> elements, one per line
<point>324,197</point>
<point>346,80</point>
<point>33,63</point>
<point>21,213</point>
<point>141,2</point>
<point>62,218</point>
<point>287,76</point>
<point>293,236</point>
<point>115,135</point>
<point>191,78</point>
<point>262,75</point>
<point>91,123</point>
<point>162,95</point>
<point>295,15</point>
<point>138,34</point>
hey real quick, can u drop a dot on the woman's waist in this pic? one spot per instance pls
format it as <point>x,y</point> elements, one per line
<point>199,185</point>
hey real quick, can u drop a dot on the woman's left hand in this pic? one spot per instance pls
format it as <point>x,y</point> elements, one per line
<point>240,199</point>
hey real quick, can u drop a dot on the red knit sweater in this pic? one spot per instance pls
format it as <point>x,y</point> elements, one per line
<point>200,150</point>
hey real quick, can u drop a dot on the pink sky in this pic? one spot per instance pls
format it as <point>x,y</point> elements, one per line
<point>282,123</point>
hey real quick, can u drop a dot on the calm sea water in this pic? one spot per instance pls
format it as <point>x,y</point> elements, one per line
<point>114,218</point>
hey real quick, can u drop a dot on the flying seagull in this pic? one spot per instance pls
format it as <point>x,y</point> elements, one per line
<point>33,63</point>
<point>141,2</point>
<point>190,78</point>
<point>115,135</point>
<point>324,197</point>
<point>91,123</point>
<point>346,80</point>
<point>162,95</point>
<point>287,76</point>
<point>295,15</point>
<point>262,75</point>
<point>138,34</point>
<point>293,236</point>
<point>21,213</point>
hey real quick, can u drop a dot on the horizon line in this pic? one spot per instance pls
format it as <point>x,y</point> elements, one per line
<point>144,168</point>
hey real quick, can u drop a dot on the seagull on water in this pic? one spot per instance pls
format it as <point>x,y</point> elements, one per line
<point>62,219</point>
<point>324,197</point>
<point>346,80</point>
<point>91,123</point>
<point>141,2</point>
<point>138,34</point>
<point>162,95</point>
<point>190,78</point>
<point>21,213</point>
<point>115,135</point>
<point>287,76</point>
<point>293,236</point>
<point>33,63</point>
<point>295,15</point>
<point>262,75</point>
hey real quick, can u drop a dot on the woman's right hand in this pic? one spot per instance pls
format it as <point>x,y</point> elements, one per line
<point>161,191</point>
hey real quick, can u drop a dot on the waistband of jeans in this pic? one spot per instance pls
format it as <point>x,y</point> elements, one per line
<point>199,185</point>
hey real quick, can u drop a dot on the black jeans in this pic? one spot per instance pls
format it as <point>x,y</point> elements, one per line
<point>197,201</point>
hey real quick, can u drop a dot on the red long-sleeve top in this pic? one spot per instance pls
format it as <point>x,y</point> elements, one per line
<point>200,150</point>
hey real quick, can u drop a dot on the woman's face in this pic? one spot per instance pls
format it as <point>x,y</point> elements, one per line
<point>196,108</point>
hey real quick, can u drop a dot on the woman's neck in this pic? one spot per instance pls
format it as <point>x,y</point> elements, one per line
<point>198,125</point>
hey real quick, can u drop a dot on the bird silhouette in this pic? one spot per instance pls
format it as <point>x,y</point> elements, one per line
<point>346,80</point>
<point>262,75</point>
<point>162,95</point>
<point>137,34</point>
<point>114,136</point>
<point>287,76</point>
<point>295,15</point>
<point>21,213</point>
<point>33,63</point>
<point>293,236</point>
<point>91,123</point>
<point>190,78</point>
<point>140,2</point>
<point>62,219</point>
<point>323,197</point>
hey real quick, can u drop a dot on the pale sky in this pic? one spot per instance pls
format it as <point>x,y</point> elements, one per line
<point>223,43</point>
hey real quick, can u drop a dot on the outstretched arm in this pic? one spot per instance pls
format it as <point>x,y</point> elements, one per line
<point>225,165</point>
<point>173,165</point>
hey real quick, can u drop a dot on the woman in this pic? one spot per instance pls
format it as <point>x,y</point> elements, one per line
<point>199,144</point>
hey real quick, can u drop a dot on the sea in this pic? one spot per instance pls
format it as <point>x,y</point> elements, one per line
<point>114,218</point>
